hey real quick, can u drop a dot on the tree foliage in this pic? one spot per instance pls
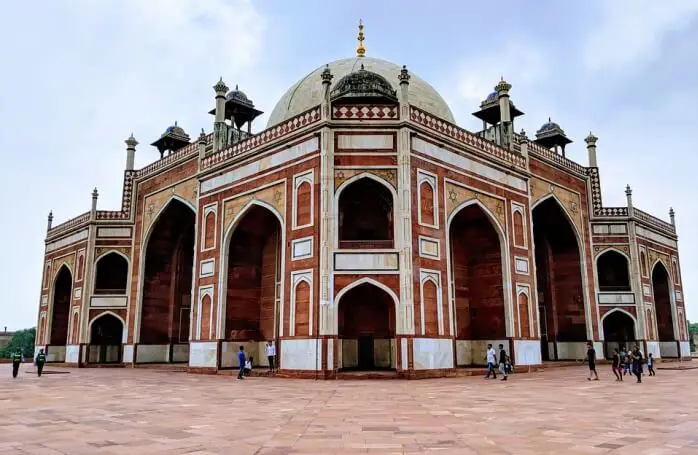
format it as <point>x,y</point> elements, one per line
<point>692,330</point>
<point>23,339</point>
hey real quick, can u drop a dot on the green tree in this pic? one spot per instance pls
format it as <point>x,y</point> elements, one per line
<point>23,339</point>
<point>692,329</point>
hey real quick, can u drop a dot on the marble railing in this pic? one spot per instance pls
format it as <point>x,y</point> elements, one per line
<point>68,225</point>
<point>550,155</point>
<point>613,211</point>
<point>184,152</point>
<point>653,221</point>
<point>270,134</point>
<point>466,137</point>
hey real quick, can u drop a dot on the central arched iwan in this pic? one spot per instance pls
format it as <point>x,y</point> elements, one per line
<point>366,215</point>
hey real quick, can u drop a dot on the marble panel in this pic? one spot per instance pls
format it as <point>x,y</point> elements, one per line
<point>111,301</point>
<point>300,355</point>
<point>207,268</point>
<point>365,141</point>
<point>114,232</point>
<point>201,354</point>
<point>432,353</point>
<point>384,352</point>
<point>474,352</point>
<point>527,352</point>
<point>654,349</point>
<point>180,353</point>
<point>72,354</point>
<point>366,261</point>
<point>429,247</point>
<point>330,354</point>
<point>128,353</point>
<point>302,248</point>
<point>575,350</point>
<point>616,298</point>
<point>56,354</point>
<point>230,349</point>
<point>65,241</point>
<point>403,352</point>
<point>521,265</point>
<point>639,230</point>
<point>350,353</point>
<point>466,164</point>
<point>153,353</point>
<point>685,347</point>
<point>668,349</point>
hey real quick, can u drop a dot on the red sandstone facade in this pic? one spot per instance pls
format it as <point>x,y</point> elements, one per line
<point>362,233</point>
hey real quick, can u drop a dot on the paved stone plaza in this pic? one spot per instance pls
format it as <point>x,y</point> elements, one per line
<point>124,411</point>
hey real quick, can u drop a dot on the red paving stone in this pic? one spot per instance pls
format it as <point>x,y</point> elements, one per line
<point>134,412</point>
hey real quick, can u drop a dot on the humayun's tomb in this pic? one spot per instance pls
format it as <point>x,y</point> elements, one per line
<point>361,230</point>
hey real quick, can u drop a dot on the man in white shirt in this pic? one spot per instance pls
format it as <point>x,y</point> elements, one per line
<point>491,361</point>
<point>270,351</point>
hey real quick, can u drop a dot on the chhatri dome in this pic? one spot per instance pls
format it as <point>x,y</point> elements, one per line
<point>308,92</point>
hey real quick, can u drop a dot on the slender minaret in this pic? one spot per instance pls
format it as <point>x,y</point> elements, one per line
<point>93,210</point>
<point>202,145</point>
<point>326,83</point>
<point>404,78</point>
<point>220,129</point>
<point>629,198</point>
<point>524,144</point>
<point>672,216</point>
<point>131,144</point>
<point>591,149</point>
<point>506,130</point>
<point>50,220</point>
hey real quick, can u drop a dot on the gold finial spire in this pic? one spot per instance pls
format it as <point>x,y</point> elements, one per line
<point>361,50</point>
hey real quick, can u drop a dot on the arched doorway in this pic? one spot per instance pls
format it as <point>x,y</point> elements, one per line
<point>613,272</point>
<point>618,331</point>
<point>111,274</point>
<point>477,284</point>
<point>559,278</point>
<point>106,335</point>
<point>366,324</point>
<point>167,282</point>
<point>60,316</point>
<point>366,215</point>
<point>253,282</point>
<point>661,291</point>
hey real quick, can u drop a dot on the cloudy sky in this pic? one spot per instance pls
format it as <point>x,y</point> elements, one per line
<point>80,75</point>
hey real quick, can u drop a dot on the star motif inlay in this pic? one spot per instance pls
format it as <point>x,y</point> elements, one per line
<point>453,196</point>
<point>150,209</point>
<point>277,196</point>
<point>340,175</point>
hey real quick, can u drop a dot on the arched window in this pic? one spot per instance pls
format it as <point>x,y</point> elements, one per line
<point>430,296</point>
<point>519,237</point>
<point>302,309</point>
<point>111,274</point>
<point>612,268</point>
<point>643,263</point>
<point>426,203</point>
<point>303,205</point>
<point>210,230</point>
<point>366,215</point>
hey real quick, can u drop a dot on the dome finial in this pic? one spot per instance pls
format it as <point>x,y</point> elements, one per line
<point>361,50</point>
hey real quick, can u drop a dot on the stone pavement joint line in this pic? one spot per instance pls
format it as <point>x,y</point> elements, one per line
<point>135,412</point>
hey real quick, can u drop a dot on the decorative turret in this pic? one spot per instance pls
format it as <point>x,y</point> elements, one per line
<point>672,216</point>
<point>326,77</point>
<point>237,109</point>
<point>591,149</point>
<point>50,220</point>
<point>364,86</point>
<point>220,129</point>
<point>173,139</point>
<point>551,136</point>
<point>404,78</point>
<point>93,209</point>
<point>131,144</point>
<point>499,111</point>
<point>202,145</point>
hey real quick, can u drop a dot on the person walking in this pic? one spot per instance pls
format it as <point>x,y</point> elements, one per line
<point>270,351</point>
<point>650,364</point>
<point>503,362</point>
<point>16,362</point>
<point>637,359</point>
<point>491,360</point>
<point>591,358</point>
<point>241,362</point>
<point>40,361</point>
<point>617,370</point>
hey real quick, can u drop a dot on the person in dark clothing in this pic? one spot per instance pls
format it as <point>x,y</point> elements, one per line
<point>16,362</point>
<point>40,361</point>
<point>617,369</point>
<point>637,359</point>
<point>241,361</point>
<point>591,358</point>
<point>503,362</point>
<point>650,364</point>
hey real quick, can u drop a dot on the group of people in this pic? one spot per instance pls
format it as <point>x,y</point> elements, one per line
<point>502,360</point>
<point>246,362</point>
<point>17,359</point>
<point>623,363</point>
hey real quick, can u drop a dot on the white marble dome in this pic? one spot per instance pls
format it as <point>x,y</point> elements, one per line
<point>308,93</point>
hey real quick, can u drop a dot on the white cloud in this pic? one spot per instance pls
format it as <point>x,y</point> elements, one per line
<point>630,31</point>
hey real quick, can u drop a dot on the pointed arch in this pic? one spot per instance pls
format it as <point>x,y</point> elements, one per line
<point>584,279</point>
<point>367,280</point>
<point>226,237</point>
<point>107,333</point>
<point>348,183</point>
<point>614,283</point>
<point>667,321</point>
<point>505,260</point>
<point>100,315</point>
<point>145,241</point>
<point>60,305</point>
<point>126,278</point>
<point>296,322</point>
<point>430,327</point>
<point>620,310</point>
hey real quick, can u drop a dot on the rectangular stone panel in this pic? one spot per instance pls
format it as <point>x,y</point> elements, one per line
<point>616,298</point>
<point>111,301</point>
<point>642,232</point>
<point>365,141</point>
<point>206,268</point>
<point>429,247</point>
<point>65,241</point>
<point>114,232</point>
<point>432,353</point>
<point>366,262</point>
<point>302,248</point>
